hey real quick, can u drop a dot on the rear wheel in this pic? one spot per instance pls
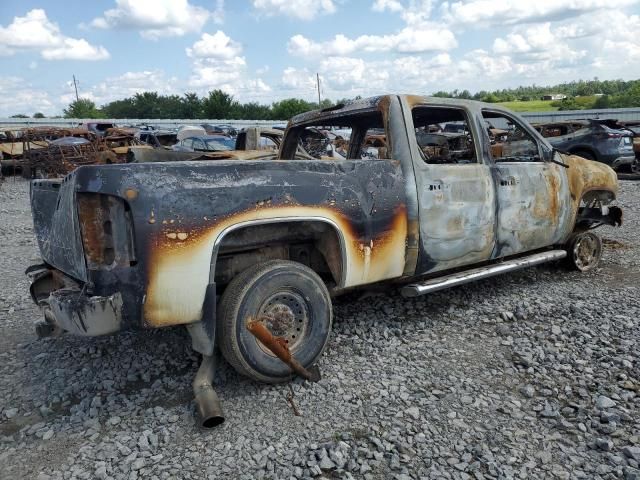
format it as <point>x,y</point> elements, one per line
<point>291,300</point>
<point>584,251</point>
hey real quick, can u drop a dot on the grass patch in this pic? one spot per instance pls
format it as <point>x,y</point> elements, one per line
<point>530,106</point>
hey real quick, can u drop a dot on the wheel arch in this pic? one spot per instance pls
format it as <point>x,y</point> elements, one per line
<point>333,248</point>
<point>605,195</point>
<point>577,149</point>
<point>583,216</point>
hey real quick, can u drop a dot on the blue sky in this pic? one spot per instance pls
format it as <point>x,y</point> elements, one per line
<point>265,50</point>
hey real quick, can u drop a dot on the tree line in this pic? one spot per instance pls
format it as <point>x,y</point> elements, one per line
<point>581,94</point>
<point>217,104</point>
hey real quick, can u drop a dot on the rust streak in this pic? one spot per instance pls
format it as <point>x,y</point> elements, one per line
<point>278,346</point>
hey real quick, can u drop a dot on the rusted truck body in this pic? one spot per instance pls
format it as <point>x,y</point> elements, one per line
<point>213,244</point>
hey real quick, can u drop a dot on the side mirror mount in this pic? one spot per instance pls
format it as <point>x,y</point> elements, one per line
<point>556,159</point>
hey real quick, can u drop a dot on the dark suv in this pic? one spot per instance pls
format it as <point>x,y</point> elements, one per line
<point>593,140</point>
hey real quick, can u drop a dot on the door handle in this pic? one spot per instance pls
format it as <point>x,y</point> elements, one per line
<point>508,181</point>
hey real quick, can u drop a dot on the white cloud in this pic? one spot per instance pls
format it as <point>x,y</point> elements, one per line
<point>35,31</point>
<point>300,9</point>
<point>218,64</point>
<point>342,77</point>
<point>616,50</point>
<point>538,43</point>
<point>350,73</point>
<point>511,12</point>
<point>214,73</point>
<point>75,49</point>
<point>218,45</point>
<point>300,79</point>
<point>423,38</point>
<point>158,18</point>
<point>18,96</point>
<point>122,86</point>
<point>391,5</point>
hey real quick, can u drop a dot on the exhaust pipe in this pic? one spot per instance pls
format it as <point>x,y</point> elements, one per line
<point>208,408</point>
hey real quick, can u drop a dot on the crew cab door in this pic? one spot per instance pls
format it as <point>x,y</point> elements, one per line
<point>532,192</point>
<point>455,191</point>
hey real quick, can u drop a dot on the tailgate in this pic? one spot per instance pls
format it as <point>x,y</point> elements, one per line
<point>55,224</point>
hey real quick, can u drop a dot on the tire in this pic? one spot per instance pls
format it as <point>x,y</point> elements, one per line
<point>633,168</point>
<point>302,306</point>
<point>584,251</point>
<point>585,154</point>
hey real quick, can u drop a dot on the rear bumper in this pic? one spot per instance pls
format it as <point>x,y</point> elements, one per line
<point>79,314</point>
<point>66,306</point>
<point>621,161</point>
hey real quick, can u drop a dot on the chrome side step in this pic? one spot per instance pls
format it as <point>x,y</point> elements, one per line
<point>435,284</point>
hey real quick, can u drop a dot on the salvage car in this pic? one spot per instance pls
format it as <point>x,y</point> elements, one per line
<point>593,140</point>
<point>248,254</point>
<point>228,130</point>
<point>158,138</point>
<point>205,143</point>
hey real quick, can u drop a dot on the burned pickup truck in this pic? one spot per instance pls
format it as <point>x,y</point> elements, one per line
<point>248,253</point>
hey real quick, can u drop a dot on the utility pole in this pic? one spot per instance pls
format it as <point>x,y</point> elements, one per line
<point>75,84</point>
<point>318,79</point>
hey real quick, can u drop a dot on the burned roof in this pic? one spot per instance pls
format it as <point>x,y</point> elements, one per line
<point>562,123</point>
<point>340,110</point>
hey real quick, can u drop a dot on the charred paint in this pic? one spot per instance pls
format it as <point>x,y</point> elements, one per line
<point>179,269</point>
<point>396,218</point>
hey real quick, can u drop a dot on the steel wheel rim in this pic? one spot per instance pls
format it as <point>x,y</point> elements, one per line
<point>586,252</point>
<point>286,314</point>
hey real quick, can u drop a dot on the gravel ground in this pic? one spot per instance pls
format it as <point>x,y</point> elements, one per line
<point>530,375</point>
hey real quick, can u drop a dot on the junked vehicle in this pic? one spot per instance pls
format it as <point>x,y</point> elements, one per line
<point>98,128</point>
<point>158,138</point>
<point>13,148</point>
<point>185,131</point>
<point>593,140</point>
<point>633,127</point>
<point>247,254</point>
<point>205,143</point>
<point>224,129</point>
<point>253,143</point>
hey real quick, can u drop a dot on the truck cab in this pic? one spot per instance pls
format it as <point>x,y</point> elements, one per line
<point>222,246</point>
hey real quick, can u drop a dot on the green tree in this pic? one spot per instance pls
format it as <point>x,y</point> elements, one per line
<point>253,111</point>
<point>82,108</point>
<point>285,109</point>
<point>491,98</point>
<point>191,106</point>
<point>602,102</point>
<point>146,105</point>
<point>119,109</point>
<point>219,105</point>
<point>38,115</point>
<point>19,115</point>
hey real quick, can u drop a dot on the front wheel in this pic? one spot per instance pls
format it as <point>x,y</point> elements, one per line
<point>291,300</point>
<point>585,154</point>
<point>584,251</point>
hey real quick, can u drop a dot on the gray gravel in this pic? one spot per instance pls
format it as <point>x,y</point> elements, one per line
<point>531,375</point>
